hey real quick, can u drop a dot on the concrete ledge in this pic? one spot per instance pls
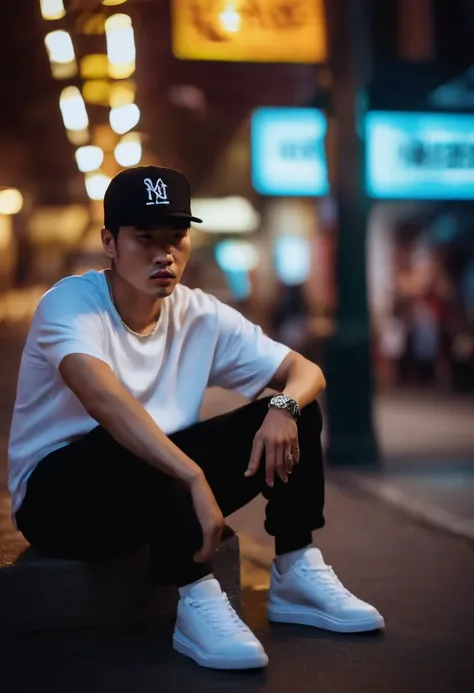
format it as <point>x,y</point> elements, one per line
<point>42,594</point>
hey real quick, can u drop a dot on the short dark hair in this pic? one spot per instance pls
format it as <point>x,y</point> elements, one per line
<point>178,224</point>
<point>114,230</point>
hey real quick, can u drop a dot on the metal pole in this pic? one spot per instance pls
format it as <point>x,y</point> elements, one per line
<point>348,367</point>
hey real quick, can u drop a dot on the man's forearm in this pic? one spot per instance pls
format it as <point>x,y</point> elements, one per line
<point>131,426</point>
<point>304,381</point>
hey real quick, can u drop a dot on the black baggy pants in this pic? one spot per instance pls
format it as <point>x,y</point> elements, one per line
<point>93,498</point>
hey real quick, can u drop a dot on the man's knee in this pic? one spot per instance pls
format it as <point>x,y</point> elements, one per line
<point>311,417</point>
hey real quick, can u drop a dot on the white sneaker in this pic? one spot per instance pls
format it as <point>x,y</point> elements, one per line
<point>209,631</point>
<point>310,593</point>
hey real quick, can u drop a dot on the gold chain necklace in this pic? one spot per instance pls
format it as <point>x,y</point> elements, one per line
<point>129,329</point>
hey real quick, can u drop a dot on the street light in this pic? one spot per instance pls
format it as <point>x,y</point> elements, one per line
<point>352,439</point>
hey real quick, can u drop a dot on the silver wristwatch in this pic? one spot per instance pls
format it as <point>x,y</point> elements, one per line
<point>281,401</point>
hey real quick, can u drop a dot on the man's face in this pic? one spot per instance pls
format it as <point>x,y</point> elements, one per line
<point>151,260</point>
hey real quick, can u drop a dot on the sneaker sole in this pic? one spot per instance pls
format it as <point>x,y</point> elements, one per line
<point>318,619</point>
<point>187,648</point>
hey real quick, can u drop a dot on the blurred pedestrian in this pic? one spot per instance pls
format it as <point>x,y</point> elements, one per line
<point>425,341</point>
<point>392,346</point>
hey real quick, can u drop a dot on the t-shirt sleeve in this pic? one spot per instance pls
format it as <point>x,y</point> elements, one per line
<point>245,358</point>
<point>68,321</point>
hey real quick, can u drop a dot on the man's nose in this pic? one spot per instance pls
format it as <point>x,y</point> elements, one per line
<point>163,257</point>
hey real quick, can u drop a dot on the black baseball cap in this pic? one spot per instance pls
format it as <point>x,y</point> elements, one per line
<point>147,196</point>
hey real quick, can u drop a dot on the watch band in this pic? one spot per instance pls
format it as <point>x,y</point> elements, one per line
<point>281,401</point>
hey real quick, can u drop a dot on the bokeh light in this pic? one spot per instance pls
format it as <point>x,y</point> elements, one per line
<point>124,118</point>
<point>89,158</point>
<point>52,9</point>
<point>128,152</point>
<point>73,109</point>
<point>11,201</point>
<point>96,185</point>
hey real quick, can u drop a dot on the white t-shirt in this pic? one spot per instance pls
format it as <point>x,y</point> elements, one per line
<point>201,342</point>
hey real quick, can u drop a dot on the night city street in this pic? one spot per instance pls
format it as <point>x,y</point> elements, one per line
<point>237,346</point>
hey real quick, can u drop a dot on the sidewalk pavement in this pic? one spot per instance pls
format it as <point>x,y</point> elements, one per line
<point>420,579</point>
<point>428,467</point>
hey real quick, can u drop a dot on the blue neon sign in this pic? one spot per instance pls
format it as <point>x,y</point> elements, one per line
<point>288,155</point>
<point>423,156</point>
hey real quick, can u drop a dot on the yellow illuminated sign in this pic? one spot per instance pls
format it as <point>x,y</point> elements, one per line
<point>271,31</point>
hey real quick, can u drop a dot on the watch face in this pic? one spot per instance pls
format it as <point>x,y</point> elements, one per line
<point>280,400</point>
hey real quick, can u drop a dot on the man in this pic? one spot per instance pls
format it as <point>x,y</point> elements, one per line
<point>106,452</point>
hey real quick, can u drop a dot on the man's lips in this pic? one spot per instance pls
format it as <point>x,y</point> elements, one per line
<point>163,274</point>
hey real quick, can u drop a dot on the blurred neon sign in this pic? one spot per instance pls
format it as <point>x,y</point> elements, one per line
<point>288,155</point>
<point>270,31</point>
<point>420,155</point>
<point>292,259</point>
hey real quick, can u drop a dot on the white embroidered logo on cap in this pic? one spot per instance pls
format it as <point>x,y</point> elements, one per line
<point>156,193</point>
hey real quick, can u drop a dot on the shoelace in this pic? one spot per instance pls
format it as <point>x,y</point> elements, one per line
<point>219,615</point>
<point>326,579</point>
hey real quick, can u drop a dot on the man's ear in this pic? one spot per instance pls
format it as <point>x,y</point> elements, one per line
<point>108,243</point>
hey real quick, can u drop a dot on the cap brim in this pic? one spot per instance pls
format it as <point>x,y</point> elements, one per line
<point>182,215</point>
<point>148,220</point>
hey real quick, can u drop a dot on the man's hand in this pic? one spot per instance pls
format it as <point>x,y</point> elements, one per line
<point>278,437</point>
<point>209,516</point>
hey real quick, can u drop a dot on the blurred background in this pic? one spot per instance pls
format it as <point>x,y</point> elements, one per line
<point>330,150</point>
